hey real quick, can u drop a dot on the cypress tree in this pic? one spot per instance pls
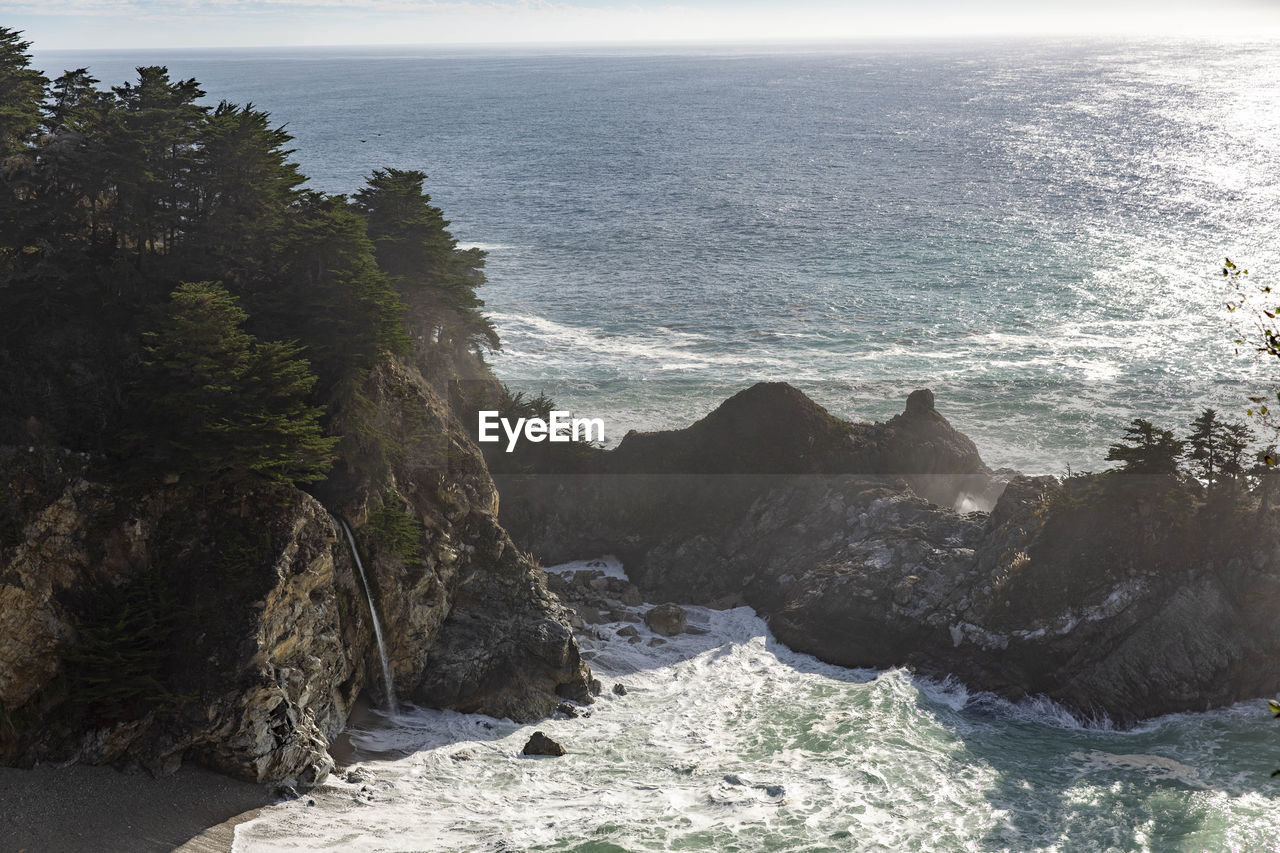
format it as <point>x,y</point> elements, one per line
<point>224,404</point>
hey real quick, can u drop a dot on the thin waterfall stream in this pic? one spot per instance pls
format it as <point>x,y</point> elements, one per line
<point>390,690</point>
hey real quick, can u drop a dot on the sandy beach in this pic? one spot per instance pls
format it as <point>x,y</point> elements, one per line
<point>80,808</point>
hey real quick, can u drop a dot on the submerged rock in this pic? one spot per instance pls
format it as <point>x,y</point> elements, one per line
<point>540,744</point>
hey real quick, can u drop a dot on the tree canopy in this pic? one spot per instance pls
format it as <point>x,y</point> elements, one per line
<point>119,206</point>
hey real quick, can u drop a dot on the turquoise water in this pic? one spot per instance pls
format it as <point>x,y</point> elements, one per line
<point>1032,230</point>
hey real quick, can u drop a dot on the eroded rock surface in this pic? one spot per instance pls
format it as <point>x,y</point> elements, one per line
<point>1116,596</point>
<point>227,624</point>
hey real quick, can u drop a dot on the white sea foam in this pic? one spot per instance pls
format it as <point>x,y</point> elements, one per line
<point>728,740</point>
<point>609,565</point>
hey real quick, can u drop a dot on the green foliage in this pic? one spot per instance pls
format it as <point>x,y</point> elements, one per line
<point>332,296</point>
<point>231,405</point>
<point>1217,449</point>
<point>396,529</point>
<point>110,198</point>
<point>417,251</point>
<point>1146,449</point>
<point>517,405</point>
<point>116,666</point>
<point>22,91</point>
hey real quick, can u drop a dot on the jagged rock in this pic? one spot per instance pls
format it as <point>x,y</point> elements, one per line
<point>1109,595</point>
<point>540,744</point>
<point>619,689</point>
<point>275,640</point>
<point>628,631</point>
<point>257,658</point>
<point>666,619</point>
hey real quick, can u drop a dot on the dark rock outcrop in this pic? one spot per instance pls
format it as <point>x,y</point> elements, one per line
<point>247,634</point>
<point>540,744</point>
<point>1113,595</point>
<point>666,619</point>
<point>664,487</point>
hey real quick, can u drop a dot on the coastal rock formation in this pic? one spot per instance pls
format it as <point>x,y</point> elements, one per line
<point>666,619</point>
<point>470,625</point>
<point>1115,595</point>
<point>540,744</point>
<point>160,627</point>
<point>228,624</point>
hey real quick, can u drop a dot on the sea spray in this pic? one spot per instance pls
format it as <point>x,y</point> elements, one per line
<point>389,694</point>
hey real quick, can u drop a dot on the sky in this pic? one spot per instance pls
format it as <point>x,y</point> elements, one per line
<point>119,24</point>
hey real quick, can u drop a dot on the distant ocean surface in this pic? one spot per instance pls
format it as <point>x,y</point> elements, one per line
<point>1034,231</point>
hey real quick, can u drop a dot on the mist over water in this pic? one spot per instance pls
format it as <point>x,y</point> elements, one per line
<point>1032,230</point>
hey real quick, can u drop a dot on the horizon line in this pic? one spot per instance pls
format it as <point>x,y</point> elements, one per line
<point>780,42</point>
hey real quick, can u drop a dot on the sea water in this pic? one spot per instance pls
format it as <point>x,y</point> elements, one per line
<point>1034,230</point>
<point>729,741</point>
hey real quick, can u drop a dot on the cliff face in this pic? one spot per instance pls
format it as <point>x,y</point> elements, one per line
<point>228,625</point>
<point>1114,595</point>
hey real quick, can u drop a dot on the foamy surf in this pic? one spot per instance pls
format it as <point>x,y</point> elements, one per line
<point>730,741</point>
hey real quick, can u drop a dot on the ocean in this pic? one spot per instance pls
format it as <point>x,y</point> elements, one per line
<point>1034,230</point>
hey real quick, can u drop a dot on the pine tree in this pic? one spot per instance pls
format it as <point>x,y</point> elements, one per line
<point>1146,449</point>
<point>1217,448</point>
<point>223,403</point>
<point>243,185</point>
<point>22,93</point>
<point>331,295</point>
<point>151,150</point>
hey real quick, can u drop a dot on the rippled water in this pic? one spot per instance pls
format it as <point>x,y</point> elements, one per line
<point>731,742</point>
<point>1030,229</point>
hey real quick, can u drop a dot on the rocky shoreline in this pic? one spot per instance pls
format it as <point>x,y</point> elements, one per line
<point>148,626</point>
<point>859,543</point>
<point>1118,597</point>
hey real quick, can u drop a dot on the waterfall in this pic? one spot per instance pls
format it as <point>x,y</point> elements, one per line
<point>390,694</point>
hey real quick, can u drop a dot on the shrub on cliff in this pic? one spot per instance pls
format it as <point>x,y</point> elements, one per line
<point>226,404</point>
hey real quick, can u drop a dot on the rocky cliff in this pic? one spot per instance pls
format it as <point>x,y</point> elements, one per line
<point>1116,596</point>
<point>227,624</point>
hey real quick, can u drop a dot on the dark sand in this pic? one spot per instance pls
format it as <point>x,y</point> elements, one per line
<point>98,809</point>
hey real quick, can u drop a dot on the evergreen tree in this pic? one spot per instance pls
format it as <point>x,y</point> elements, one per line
<point>331,294</point>
<point>151,150</point>
<point>1146,449</point>
<point>72,167</point>
<point>226,404</point>
<point>1204,445</point>
<point>1217,448</point>
<point>243,187</point>
<point>416,250</point>
<point>22,93</point>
